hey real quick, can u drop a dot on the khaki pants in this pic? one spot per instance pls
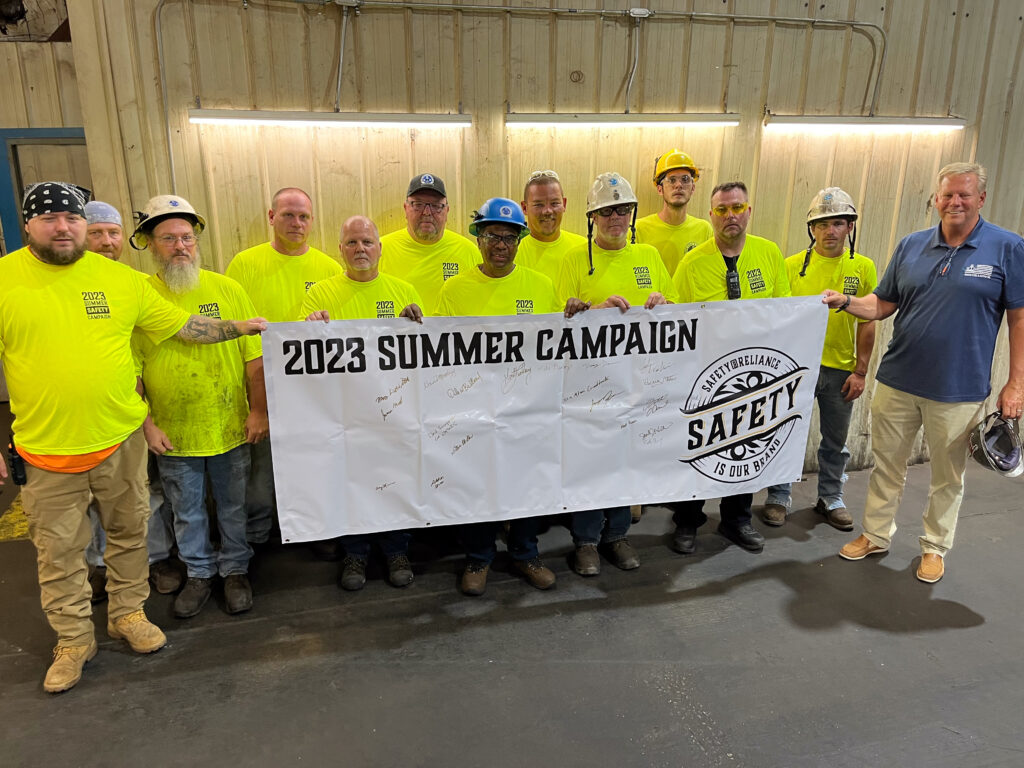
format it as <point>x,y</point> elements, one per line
<point>56,505</point>
<point>896,418</point>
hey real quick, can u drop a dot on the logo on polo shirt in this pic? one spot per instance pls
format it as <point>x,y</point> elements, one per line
<point>524,306</point>
<point>740,412</point>
<point>385,309</point>
<point>449,269</point>
<point>643,277</point>
<point>979,270</point>
<point>851,284</point>
<point>96,306</point>
<point>210,309</point>
<point>755,280</point>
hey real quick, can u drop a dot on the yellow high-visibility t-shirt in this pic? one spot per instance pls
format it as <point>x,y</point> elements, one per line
<point>197,392</point>
<point>276,283</point>
<point>65,341</point>
<point>547,258</point>
<point>347,299</point>
<point>854,277</point>
<point>673,241</point>
<point>523,292</point>
<point>427,267</point>
<point>700,276</point>
<point>633,272</point>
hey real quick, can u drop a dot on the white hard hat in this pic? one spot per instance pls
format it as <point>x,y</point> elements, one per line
<point>609,189</point>
<point>831,203</point>
<point>162,207</point>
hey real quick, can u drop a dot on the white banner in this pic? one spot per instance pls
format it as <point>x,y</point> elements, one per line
<point>386,424</point>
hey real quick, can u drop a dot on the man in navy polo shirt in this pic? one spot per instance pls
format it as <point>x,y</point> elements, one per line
<point>951,285</point>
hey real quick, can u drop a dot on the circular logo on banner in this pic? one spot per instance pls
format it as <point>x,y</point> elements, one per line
<point>426,179</point>
<point>740,412</point>
<point>505,211</point>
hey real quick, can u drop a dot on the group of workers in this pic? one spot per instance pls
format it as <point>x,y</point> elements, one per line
<point>103,362</point>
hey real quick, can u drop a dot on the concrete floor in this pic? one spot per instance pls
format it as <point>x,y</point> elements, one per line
<point>791,658</point>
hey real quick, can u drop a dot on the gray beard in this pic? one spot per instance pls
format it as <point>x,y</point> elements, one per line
<point>50,256</point>
<point>182,278</point>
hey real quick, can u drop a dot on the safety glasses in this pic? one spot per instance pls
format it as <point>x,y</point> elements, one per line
<point>618,210</point>
<point>736,208</point>
<point>544,175</point>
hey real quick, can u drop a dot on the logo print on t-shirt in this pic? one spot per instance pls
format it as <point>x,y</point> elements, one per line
<point>385,309</point>
<point>979,270</point>
<point>210,309</point>
<point>524,306</point>
<point>690,247</point>
<point>851,284</point>
<point>96,306</point>
<point>643,277</point>
<point>755,280</point>
<point>449,269</point>
<point>310,284</point>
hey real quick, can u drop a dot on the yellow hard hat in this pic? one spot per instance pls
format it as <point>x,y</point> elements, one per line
<point>670,161</point>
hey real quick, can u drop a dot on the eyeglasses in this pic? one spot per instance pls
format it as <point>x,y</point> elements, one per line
<point>419,206</point>
<point>169,241</point>
<point>683,181</point>
<point>618,210</point>
<point>735,208</point>
<point>544,175</point>
<point>493,239</point>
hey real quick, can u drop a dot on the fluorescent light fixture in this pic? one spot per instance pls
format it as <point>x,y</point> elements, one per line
<point>620,120</point>
<point>824,124</point>
<point>327,119</point>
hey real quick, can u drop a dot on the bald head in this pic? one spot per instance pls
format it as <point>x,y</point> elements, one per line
<point>358,222</point>
<point>360,248</point>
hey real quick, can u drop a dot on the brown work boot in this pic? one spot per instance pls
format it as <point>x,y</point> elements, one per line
<point>142,635</point>
<point>535,572</point>
<point>931,568</point>
<point>66,668</point>
<point>860,548</point>
<point>839,518</point>
<point>622,555</point>
<point>587,562</point>
<point>474,578</point>
<point>774,514</point>
<point>636,511</point>
<point>165,577</point>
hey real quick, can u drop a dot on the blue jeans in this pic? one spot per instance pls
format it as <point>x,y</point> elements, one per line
<point>184,479</point>
<point>391,543</point>
<point>260,503</point>
<point>834,415</point>
<point>735,511</point>
<point>479,539</point>
<point>586,526</point>
<point>159,536</point>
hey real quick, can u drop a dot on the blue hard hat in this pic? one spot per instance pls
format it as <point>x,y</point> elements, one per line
<point>499,210</point>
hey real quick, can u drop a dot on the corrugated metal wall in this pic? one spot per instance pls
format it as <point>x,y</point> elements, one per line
<point>945,57</point>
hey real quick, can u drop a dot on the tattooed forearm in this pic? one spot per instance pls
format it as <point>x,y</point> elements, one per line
<point>208,330</point>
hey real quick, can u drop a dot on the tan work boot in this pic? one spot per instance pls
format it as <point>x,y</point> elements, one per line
<point>474,578</point>
<point>141,634</point>
<point>860,548</point>
<point>66,668</point>
<point>774,514</point>
<point>931,569</point>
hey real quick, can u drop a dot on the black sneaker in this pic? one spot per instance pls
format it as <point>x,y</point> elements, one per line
<point>745,536</point>
<point>192,598</point>
<point>353,573</point>
<point>237,593</point>
<point>399,571</point>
